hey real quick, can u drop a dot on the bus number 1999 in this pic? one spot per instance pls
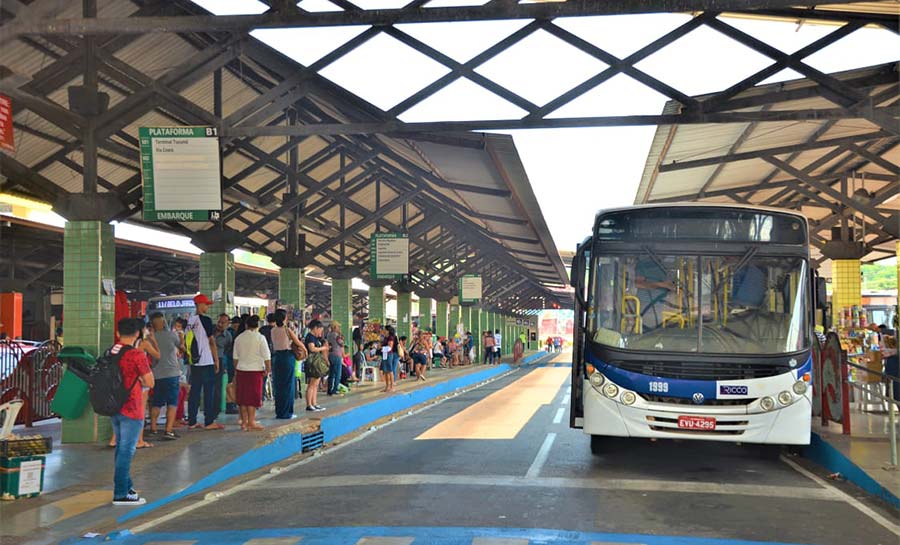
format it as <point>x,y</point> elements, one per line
<point>659,387</point>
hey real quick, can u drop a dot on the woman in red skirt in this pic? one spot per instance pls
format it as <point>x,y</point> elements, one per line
<point>253,362</point>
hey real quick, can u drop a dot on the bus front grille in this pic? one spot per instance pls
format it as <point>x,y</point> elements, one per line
<point>700,371</point>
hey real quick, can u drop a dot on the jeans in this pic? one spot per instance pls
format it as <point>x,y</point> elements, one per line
<point>334,373</point>
<point>395,365</point>
<point>203,379</point>
<point>127,431</point>
<point>284,383</point>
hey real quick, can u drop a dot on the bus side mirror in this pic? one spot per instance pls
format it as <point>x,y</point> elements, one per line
<point>821,293</point>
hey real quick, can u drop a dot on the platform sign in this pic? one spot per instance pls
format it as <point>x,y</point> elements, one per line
<point>181,170</point>
<point>7,142</point>
<point>389,256</point>
<point>470,288</point>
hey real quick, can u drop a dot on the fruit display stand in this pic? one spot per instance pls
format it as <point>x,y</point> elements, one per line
<point>22,464</point>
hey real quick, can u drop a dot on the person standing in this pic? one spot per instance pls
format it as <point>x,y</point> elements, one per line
<point>314,344</point>
<point>498,346</point>
<point>252,362</point>
<point>166,375</point>
<point>488,341</point>
<point>394,342</point>
<point>387,357</point>
<point>335,357</point>
<point>129,422</point>
<point>224,346</point>
<point>205,367</point>
<point>284,383</point>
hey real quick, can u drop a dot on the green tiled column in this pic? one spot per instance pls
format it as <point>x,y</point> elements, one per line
<point>217,281</point>
<point>440,321</point>
<point>457,317</point>
<point>89,261</point>
<point>292,287</point>
<point>476,329</point>
<point>342,303</point>
<point>404,313</point>
<point>425,307</point>
<point>376,304</point>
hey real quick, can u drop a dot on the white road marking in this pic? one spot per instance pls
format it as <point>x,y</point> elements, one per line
<point>565,400</point>
<point>586,483</point>
<point>541,457</point>
<point>213,496</point>
<point>569,390</point>
<point>840,495</point>
<point>560,412</point>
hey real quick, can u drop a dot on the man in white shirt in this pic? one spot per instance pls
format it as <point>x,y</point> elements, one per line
<point>497,346</point>
<point>205,366</point>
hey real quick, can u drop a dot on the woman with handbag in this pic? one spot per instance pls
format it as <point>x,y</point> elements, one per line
<point>316,364</point>
<point>252,363</point>
<point>284,384</point>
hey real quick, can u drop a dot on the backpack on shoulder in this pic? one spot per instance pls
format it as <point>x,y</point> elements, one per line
<point>106,386</point>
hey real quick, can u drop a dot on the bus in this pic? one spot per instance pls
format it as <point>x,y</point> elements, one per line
<point>694,321</point>
<point>182,306</point>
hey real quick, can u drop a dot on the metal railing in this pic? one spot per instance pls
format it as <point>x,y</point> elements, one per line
<point>889,400</point>
<point>30,371</point>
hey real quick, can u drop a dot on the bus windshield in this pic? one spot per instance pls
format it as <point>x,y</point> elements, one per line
<point>738,304</point>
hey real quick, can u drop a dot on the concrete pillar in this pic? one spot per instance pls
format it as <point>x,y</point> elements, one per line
<point>292,287</point>
<point>217,281</point>
<point>342,303</point>
<point>89,275</point>
<point>404,313</point>
<point>441,323</point>
<point>425,313</point>
<point>846,286</point>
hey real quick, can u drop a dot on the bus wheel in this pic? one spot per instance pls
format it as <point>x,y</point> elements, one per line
<point>598,444</point>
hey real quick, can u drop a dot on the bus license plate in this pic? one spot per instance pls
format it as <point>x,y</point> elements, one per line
<point>703,423</point>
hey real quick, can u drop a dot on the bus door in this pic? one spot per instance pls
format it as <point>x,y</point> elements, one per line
<point>579,281</point>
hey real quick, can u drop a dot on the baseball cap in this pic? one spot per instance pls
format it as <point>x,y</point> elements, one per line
<point>202,299</point>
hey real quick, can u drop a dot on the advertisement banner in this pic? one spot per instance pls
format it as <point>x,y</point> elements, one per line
<point>7,142</point>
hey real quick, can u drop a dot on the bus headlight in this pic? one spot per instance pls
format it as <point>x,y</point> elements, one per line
<point>597,380</point>
<point>767,403</point>
<point>628,398</point>
<point>800,387</point>
<point>785,398</point>
<point>610,390</point>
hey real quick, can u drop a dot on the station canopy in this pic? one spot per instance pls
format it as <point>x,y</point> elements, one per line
<point>826,169</point>
<point>463,198</point>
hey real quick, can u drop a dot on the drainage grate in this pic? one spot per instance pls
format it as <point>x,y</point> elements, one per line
<point>311,441</point>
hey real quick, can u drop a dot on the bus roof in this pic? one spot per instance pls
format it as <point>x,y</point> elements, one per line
<point>696,205</point>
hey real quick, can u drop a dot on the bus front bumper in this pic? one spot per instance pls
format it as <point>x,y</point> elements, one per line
<point>784,425</point>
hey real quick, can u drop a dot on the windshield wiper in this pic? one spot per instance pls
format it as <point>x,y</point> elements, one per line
<point>748,255</point>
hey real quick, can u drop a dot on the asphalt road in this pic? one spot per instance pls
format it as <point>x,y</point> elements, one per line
<point>438,476</point>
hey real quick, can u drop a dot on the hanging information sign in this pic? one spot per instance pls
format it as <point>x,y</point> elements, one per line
<point>181,171</point>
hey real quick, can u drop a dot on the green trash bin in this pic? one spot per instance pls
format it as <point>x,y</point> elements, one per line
<point>72,392</point>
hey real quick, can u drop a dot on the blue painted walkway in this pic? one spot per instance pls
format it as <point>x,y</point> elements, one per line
<point>416,536</point>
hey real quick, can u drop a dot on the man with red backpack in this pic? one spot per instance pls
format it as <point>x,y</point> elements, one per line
<point>129,421</point>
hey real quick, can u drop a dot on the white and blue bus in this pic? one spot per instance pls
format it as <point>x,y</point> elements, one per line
<point>694,322</point>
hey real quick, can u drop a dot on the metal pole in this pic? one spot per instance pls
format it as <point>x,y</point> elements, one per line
<point>892,421</point>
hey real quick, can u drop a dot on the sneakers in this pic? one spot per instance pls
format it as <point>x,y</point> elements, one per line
<point>131,499</point>
<point>315,409</point>
<point>320,409</point>
<point>170,436</point>
<point>311,409</point>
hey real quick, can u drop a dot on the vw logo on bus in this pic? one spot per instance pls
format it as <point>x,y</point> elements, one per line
<point>698,398</point>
